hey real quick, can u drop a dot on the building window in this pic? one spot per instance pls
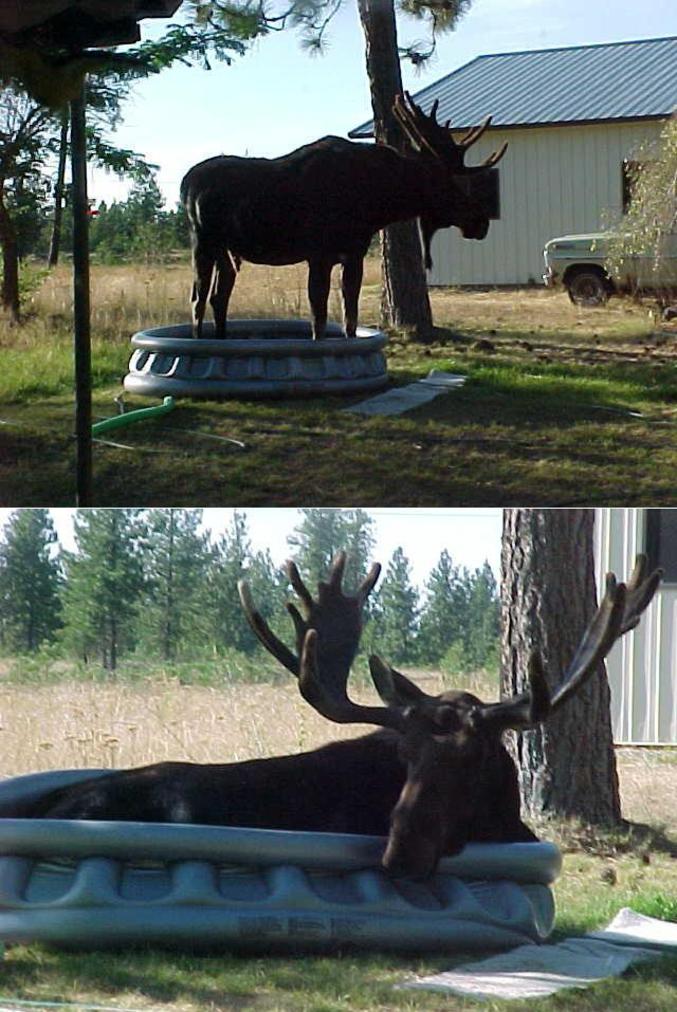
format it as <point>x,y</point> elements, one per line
<point>661,542</point>
<point>629,175</point>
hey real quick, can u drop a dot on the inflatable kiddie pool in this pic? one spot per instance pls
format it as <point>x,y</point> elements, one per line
<point>258,359</point>
<point>94,884</point>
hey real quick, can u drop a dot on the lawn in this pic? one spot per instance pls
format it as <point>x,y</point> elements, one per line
<point>562,406</point>
<point>126,722</point>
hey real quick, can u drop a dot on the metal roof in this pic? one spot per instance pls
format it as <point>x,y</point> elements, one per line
<point>618,80</point>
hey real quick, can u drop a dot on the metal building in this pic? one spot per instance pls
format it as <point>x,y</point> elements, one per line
<point>642,667</point>
<point>573,119</point>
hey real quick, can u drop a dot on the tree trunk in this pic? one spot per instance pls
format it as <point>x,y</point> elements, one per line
<point>113,652</point>
<point>566,766</point>
<point>55,241</point>
<point>168,644</point>
<point>9,294</point>
<point>82,349</point>
<point>404,299</point>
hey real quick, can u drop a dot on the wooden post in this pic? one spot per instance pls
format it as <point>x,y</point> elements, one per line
<point>81,322</point>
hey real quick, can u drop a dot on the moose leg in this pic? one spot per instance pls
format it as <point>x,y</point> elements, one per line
<point>351,283</point>
<point>319,279</point>
<point>224,279</point>
<point>203,266</point>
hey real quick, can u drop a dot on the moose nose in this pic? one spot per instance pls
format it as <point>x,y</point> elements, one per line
<point>475,229</point>
<point>416,861</point>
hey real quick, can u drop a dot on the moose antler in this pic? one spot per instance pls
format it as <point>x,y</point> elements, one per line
<point>331,699</point>
<point>428,135</point>
<point>335,617</point>
<point>619,611</point>
<point>327,639</point>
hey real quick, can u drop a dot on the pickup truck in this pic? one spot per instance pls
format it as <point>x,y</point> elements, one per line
<point>579,263</point>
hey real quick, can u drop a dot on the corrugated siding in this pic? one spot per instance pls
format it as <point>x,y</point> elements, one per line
<point>553,181</point>
<point>642,667</point>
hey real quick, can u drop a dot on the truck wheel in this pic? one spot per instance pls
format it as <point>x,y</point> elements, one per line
<point>587,288</point>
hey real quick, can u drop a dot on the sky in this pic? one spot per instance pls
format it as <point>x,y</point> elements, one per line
<point>277,97</point>
<point>471,536</point>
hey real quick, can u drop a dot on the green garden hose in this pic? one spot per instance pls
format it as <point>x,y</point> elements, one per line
<point>129,417</point>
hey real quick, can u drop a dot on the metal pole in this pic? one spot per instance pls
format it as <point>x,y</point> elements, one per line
<point>81,331</point>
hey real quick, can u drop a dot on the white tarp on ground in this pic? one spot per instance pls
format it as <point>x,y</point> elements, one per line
<point>399,399</point>
<point>533,971</point>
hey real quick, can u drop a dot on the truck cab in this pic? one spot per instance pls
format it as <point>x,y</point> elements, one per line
<point>579,263</point>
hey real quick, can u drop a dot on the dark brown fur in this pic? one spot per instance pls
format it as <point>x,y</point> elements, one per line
<point>322,204</point>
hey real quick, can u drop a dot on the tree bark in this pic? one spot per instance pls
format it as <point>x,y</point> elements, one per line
<point>9,294</point>
<point>168,643</point>
<point>81,310</point>
<point>404,299</point>
<point>55,242</point>
<point>566,766</point>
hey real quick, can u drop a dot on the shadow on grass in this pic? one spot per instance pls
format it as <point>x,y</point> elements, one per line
<point>496,441</point>
<point>632,838</point>
<point>161,975</point>
<point>219,979</point>
<point>643,839</point>
<point>337,982</point>
<point>492,402</point>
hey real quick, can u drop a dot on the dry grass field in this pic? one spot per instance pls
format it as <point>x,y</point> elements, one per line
<point>126,298</point>
<point>79,724</point>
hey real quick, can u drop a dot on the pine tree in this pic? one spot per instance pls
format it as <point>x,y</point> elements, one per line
<point>175,561</point>
<point>567,766</point>
<point>482,630</point>
<point>396,607</point>
<point>404,297</point>
<point>233,560</point>
<point>444,612</point>
<point>30,580</point>
<point>104,583</point>
<point>324,532</point>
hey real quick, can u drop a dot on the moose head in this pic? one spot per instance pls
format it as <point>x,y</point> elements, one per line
<point>450,744</point>
<point>322,204</point>
<point>458,201</point>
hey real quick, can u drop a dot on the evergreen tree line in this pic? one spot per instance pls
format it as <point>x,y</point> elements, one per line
<point>153,584</point>
<point>136,229</point>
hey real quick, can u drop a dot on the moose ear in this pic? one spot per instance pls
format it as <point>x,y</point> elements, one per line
<point>394,688</point>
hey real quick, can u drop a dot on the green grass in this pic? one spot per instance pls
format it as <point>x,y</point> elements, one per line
<point>552,416</point>
<point>508,437</point>
<point>350,982</point>
<point>50,667</point>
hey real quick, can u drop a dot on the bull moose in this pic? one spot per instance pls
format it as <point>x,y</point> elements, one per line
<point>322,203</point>
<point>433,778</point>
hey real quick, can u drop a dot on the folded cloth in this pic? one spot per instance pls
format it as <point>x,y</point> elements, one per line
<point>630,928</point>
<point>532,971</point>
